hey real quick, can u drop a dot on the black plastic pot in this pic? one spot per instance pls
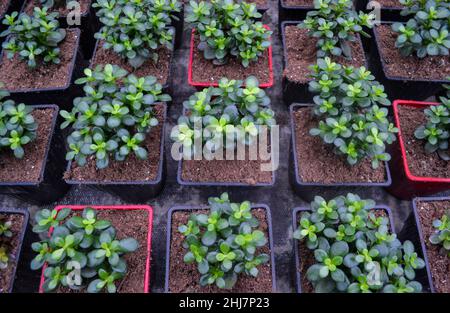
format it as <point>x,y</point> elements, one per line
<point>62,96</point>
<point>401,87</point>
<point>307,190</point>
<point>412,230</point>
<point>193,208</point>
<point>21,235</point>
<point>178,27</point>
<point>50,186</point>
<point>133,192</point>
<point>286,13</point>
<point>391,14</point>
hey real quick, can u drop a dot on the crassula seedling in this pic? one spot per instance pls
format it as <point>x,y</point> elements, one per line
<point>114,116</point>
<point>354,250</point>
<point>350,106</point>
<point>136,29</point>
<point>5,243</point>
<point>427,31</point>
<point>335,24</point>
<point>17,125</point>
<point>35,39</point>
<point>228,28</point>
<point>224,116</point>
<point>224,243</point>
<point>82,251</point>
<point>441,235</point>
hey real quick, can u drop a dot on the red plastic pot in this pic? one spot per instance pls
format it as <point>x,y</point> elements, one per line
<point>115,207</point>
<point>200,85</point>
<point>406,185</point>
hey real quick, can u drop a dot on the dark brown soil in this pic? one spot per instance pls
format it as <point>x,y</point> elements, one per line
<point>84,5</point>
<point>420,163</point>
<point>259,3</point>
<point>317,163</point>
<point>4,4</point>
<point>132,169</point>
<point>28,169</point>
<point>129,223</point>
<point>159,70</point>
<point>16,75</point>
<point>13,243</point>
<point>411,67</point>
<point>439,263</point>
<point>185,277</point>
<point>206,72</point>
<point>390,4</point>
<point>303,3</point>
<point>237,171</point>
<point>301,53</point>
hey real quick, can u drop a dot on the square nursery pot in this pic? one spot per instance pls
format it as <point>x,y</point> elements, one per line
<point>421,275</point>
<point>64,89</point>
<point>89,23</point>
<point>412,78</point>
<point>146,235</point>
<point>317,156</point>
<point>133,191</point>
<point>418,227</point>
<point>289,10</point>
<point>208,68</point>
<point>21,218</point>
<point>194,286</point>
<point>411,178</point>
<point>296,90</point>
<point>389,9</point>
<point>103,56</point>
<point>38,176</point>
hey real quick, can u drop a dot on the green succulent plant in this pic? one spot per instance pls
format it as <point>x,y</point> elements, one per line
<point>335,24</point>
<point>224,243</point>
<point>441,235</point>
<point>427,31</point>
<point>224,116</point>
<point>350,106</point>
<point>6,235</point>
<point>35,39</point>
<point>135,30</point>
<point>4,257</point>
<point>355,257</point>
<point>85,240</point>
<point>228,28</point>
<point>114,116</point>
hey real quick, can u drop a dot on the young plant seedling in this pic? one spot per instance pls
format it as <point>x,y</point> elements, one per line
<point>441,235</point>
<point>6,235</point>
<point>35,39</point>
<point>224,243</point>
<point>228,28</point>
<point>427,31</point>
<point>335,24</point>
<point>83,246</point>
<point>114,117</point>
<point>354,250</point>
<point>350,106</point>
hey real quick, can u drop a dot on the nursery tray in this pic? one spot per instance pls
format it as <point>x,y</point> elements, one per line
<point>196,208</point>
<point>148,208</point>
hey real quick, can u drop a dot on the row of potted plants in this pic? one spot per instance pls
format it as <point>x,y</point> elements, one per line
<point>342,244</point>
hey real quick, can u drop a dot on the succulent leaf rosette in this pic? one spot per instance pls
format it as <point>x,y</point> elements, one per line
<point>228,28</point>
<point>224,244</point>
<point>135,30</point>
<point>5,243</point>
<point>223,116</point>
<point>354,250</point>
<point>441,235</point>
<point>114,116</point>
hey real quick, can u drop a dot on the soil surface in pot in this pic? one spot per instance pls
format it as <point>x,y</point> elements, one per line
<point>259,3</point>
<point>306,256</point>
<point>130,170</point>
<point>303,3</point>
<point>411,67</point>
<point>390,4</point>
<point>439,263</point>
<point>420,163</point>
<point>6,275</point>
<point>16,75</point>
<point>63,11</point>
<point>159,70</point>
<point>225,171</point>
<point>128,223</point>
<point>301,52</point>
<point>185,277</point>
<point>28,169</point>
<point>206,72</point>
<point>4,4</point>
<point>317,163</point>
